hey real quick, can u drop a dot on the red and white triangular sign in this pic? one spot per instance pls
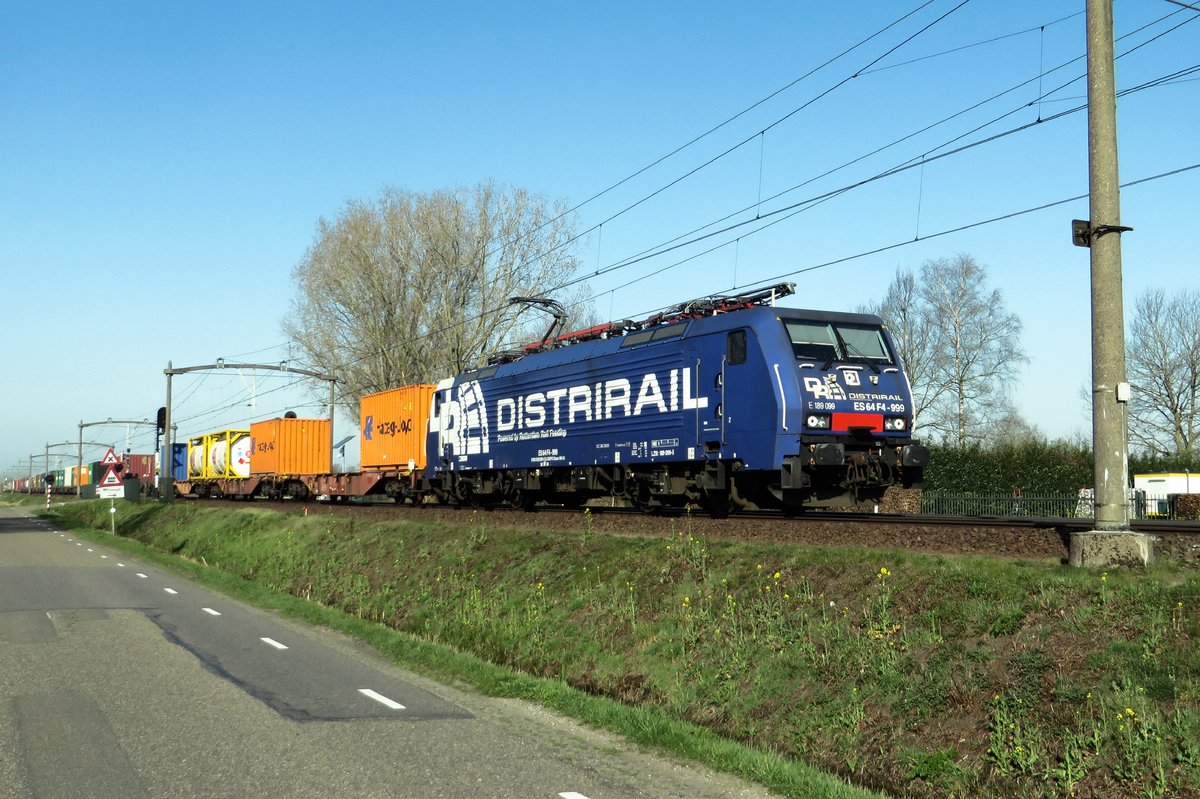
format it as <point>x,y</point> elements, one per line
<point>111,478</point>
<point>110,457</point>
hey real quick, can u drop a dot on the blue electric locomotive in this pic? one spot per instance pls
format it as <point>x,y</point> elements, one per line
<point>725,402</point>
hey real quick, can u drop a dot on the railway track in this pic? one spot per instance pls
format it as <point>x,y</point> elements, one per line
<point>1021,537</point>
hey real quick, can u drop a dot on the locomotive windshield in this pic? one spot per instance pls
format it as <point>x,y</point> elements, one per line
<point>828,342</point>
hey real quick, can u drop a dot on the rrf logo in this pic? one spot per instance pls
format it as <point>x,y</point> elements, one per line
<point>826,388</point>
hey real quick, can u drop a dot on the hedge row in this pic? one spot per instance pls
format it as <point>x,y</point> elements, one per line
<point>1035,467</point>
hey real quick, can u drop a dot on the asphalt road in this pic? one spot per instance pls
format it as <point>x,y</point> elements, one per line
<point>121,681</point>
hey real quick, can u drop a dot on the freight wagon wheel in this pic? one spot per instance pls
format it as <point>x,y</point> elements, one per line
<point>718,504</point>
<point>645,501</point>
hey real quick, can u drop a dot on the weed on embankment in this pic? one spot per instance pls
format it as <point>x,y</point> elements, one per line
<point>918,675</point>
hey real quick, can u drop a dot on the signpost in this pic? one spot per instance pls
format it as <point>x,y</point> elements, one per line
<point>111,486</point>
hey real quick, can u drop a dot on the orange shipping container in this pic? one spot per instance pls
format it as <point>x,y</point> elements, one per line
<point>290,446</point>
<point>393,426</point>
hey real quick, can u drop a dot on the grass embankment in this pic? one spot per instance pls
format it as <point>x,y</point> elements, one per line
<point>12,499</point>
<point>918,675</point>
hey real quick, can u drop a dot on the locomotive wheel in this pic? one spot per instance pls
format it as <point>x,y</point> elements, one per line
<point>523,500</point>
<point>466,496</point>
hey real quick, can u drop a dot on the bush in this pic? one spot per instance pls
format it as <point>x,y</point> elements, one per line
<point>1035,467</point>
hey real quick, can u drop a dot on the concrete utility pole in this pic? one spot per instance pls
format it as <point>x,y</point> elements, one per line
<point>1112,542</point>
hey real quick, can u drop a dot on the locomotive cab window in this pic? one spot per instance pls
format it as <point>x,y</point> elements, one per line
<point>827,342</point>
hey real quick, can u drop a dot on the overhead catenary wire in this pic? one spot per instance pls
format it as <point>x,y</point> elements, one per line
<point>803,205</point>
<point>664,248</point>
<point>765,282</point>
<point>960,49</point>
<point>728,120</point>
<point>714,159</point>
<point>918,132</point>
<point>772,95</point>
<point>969,226</point>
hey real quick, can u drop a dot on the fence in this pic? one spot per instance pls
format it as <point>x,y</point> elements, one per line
<point>1079,505</point>
<point>1062,505</point>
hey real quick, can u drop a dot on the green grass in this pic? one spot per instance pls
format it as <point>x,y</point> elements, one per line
<point>10,500</point>
<point>918,675</point>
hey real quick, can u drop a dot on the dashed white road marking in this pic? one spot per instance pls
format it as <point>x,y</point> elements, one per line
<point>170,590</point>
<point>104,557</point>
<point>122,565</point>
<point>211,612</point>
<point>144,577</point>
<point>381,699</point>
<point>273,642</point>
<point>91,550</point>
<point>572,795</point>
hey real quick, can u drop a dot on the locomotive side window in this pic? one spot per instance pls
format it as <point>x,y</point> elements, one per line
<point>736,347</point>
<point>671,331</point>
<point>654,334</point>
<point>636,338</point>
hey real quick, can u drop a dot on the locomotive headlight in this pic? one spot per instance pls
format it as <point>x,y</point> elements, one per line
<point>895,424</point>
<point>817,421</point>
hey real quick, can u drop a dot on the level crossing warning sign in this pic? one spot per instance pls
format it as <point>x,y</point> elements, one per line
<point>111,486</point>
<point>110,458</point>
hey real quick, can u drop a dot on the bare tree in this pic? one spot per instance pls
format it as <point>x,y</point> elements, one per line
<point>960,347</point>
<point>1011,427</point>
<point>1162,356</point>
<point>979,341</point>
<point>414,287</point>
<point>907,316</point>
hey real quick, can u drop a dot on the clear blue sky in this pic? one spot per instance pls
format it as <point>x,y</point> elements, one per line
<point>164,165</point>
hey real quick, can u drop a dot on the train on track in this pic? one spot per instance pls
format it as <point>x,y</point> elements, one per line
<point>141,468</point>
<point>722,403</point>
